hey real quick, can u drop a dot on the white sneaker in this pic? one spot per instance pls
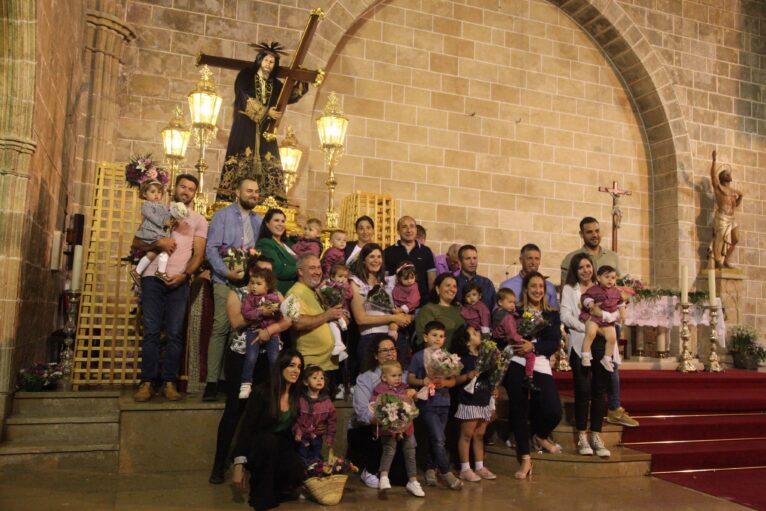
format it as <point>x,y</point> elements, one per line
<point>586,358</point>
<point>340,393</point>
<point>414,488</point>
<point>384,483</point>
<point>370,480</point>
<point>343,355</point>
<point>608,365</point>
<point>583,447</point>
<point>244,390</point>
<point>598,446</point>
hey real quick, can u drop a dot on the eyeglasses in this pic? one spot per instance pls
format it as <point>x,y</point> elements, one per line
<point>386,350</point>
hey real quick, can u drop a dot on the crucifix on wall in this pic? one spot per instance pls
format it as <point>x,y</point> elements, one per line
<point>616,193</point>
<point>260,99</point>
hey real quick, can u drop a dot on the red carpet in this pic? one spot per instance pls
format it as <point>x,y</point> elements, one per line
<point>741,486</point>
<point>698,421</point>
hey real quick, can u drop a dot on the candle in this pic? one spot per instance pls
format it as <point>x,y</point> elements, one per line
<point>76,268</point>
<point>56,251</point>
<point>711,287</point>
<point>684,284</point>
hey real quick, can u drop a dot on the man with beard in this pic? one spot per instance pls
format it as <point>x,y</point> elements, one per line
<point>256,91</point>
<point>311,332</point>
<point>235,226</point>
<point>590,232</point>
<point>163,303</point>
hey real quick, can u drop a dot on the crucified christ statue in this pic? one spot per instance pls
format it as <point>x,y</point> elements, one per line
<point>725,230</point>
<point>616,193</point>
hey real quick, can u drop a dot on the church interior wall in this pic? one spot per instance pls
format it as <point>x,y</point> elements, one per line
<point>490,121</point>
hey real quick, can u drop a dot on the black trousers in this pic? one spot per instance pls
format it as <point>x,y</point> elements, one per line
<point>275,469</point>
<point>365,452</point>
<point>234,407</point>
<point>590,387</point>
<point>539,410</point>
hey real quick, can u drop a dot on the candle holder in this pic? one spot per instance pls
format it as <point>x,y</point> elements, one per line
<point>686,361</point>
<point>562,364</point>
<point>70,330</point>
<point>714,364</point>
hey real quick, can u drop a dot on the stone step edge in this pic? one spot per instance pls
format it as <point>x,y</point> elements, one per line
<point>6,450</point>
<point>73,394</point>
<point>32,420</point>
<point>619,455</point>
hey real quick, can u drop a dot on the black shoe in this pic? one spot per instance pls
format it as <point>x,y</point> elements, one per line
<point>211,392</point>
<point>217,476</point>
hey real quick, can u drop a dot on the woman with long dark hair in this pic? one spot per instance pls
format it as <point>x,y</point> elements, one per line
<point>539,410</point>
<point>265,444</point>
<point>274,244</point>
<point>442,308</point>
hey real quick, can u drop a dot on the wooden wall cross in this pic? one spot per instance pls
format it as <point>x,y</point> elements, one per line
<point>616,193</point>
<point>291,75</point>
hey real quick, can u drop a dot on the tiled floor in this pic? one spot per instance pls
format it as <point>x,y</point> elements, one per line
<point>81,491</point>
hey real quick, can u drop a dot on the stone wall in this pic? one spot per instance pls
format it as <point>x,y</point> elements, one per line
<point>495,121</point>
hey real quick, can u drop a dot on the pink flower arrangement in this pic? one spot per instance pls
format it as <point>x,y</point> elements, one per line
<point>141,169</point>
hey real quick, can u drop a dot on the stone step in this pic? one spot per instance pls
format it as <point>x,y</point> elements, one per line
<point>65,404</point>
<point>96,430</point>
<point>58,456</point>
<point>566,434</point>
<point>623,462</point>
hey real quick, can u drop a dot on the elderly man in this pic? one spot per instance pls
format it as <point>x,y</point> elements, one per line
<point>530,258</point>
<point>590,232</point>
<point>235,226</point>
<point>311,332</point>
<point>449,262</point>
<point>469,263</point>
<point>164,302</point>
<point>407,248</point>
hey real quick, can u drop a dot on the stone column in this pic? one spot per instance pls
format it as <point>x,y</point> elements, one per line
<point>17,61</point>
<point>105,40</point>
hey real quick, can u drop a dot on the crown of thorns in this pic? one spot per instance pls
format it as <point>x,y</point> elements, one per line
<point>269,47</point>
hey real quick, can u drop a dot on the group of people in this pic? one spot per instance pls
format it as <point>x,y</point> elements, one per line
<point>278,345</point>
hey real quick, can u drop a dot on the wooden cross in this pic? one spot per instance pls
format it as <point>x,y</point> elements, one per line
<point>292,75</point>
<point>616,193</point>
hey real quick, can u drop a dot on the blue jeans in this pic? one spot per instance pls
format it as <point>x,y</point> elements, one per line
<point>435,419</point>
<point>251,355</point>
<point>163,309</point>
<point>613,393</point>
<point>311,450</point>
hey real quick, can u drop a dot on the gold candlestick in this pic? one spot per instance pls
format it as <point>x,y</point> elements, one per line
<point>714,364</point>
<point>686,362</point>
<point>70,332</point>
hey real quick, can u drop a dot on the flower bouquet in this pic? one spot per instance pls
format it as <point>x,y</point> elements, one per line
<point>438,364</point>
<point>290,308</point>
<point>178,210</point>
<point>393,414</point>
<point>492,361</point>
<point>532,322</point>
<point>141,169</point>
<point>325,480</point>
<point>629,286</point>
<point>235,258</point>
<point>379,299</point>
<point>40,377</point>
<point>332,294</point>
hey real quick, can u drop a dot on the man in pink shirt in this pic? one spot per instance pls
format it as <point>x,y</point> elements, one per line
<point>163,302</point>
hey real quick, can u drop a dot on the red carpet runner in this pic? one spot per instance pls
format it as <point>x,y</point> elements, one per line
<point>702,422</point>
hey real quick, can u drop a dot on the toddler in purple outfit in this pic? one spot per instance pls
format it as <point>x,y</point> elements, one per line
<point>309,243</point>
<point>473,310</point>
<point>317,419</point>
<point>260,306</point>
<point>335,254</point>
<point>602,306</point>
<point>406,295</point>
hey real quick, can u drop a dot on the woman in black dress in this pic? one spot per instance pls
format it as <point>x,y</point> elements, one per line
<point>265,445</point>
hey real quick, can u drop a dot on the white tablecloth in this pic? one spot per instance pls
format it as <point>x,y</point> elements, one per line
<point>665,311</point>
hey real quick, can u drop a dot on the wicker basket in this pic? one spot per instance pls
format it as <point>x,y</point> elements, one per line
<point>327,490</point>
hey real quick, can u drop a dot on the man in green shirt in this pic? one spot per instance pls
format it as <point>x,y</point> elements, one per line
<point>590,232</point>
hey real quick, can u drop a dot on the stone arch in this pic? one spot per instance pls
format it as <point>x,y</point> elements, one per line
<point>647,83</point>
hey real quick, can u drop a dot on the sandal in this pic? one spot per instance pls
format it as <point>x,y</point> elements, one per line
<point>162,275</point>
<point>522,473</point>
